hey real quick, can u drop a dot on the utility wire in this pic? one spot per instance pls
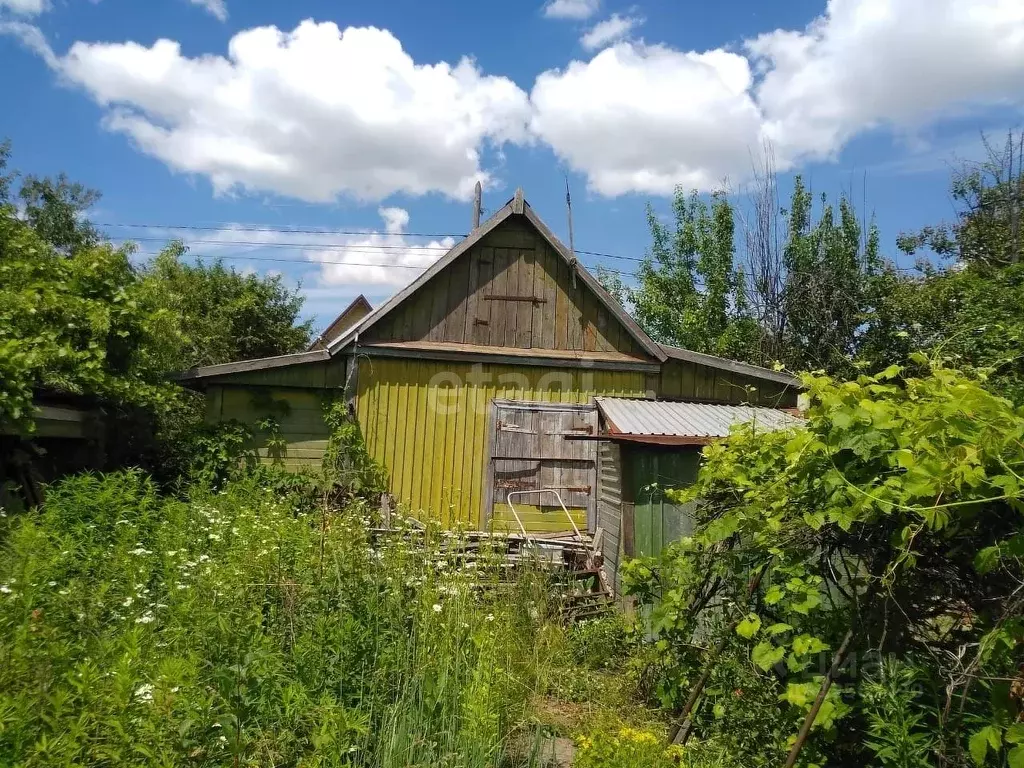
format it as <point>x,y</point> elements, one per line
<point>324,232</point>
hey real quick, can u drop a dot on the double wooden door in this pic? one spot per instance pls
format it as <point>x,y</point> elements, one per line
<point>532,450</point>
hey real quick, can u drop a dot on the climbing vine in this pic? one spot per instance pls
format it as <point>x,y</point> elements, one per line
<point>889,525</point>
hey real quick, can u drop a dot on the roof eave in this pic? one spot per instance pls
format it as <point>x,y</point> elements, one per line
<point>746,369</point>
<point>199,373</point>
<point>391,304</point>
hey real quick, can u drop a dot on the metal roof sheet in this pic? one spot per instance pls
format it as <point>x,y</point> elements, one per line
<point>673,419</point>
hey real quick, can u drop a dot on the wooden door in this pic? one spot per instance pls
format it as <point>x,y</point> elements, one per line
<point>530,452</point>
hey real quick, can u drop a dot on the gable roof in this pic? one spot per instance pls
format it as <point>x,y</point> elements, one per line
<point>349,316</point>
<point>517,206</point>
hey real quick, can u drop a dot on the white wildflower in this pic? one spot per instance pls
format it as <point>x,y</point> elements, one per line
<point>490,617</point>
<point>214,537</point>
<point>144,692</point>
<point>437,608</point>
<point>145,618</point>
<point>140,550</point>
<point>5,589</point>
<point>128,601</point>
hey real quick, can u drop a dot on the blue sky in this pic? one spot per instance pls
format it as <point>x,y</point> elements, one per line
<point>376,118</point>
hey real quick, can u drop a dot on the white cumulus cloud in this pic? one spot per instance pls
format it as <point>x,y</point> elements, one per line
<point>216,8</point>
<point>611,30</point>
<point>26,7</point>
<point>320,112</point>
<point>313,113</point>
<point>645,118</point>
<point>639,118</point>
<point>385,258</point>
<point>571,9</point>
<point>895,63</point>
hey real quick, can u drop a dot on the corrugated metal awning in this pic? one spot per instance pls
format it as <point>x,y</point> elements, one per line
<point>674,423</point>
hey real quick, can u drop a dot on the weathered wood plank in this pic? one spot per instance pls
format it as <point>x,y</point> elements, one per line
<point>472,295</point>
<point>524,310</point>
<point>511,287</point>
<point>551,260</point>
<point>438,290</point>
<point>541,308</point>
<point>479,322</point>
<point>498,285</point>
<point>561,275</point>
<point>458,297</point>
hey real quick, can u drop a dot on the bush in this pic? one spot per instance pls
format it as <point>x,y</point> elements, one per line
<point>602,643</point>
<point>231,628</point>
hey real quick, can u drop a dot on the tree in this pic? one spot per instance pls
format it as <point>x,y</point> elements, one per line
<point>890,524</point>
<point>688,293</point>
<point>226,315</point>
<point>970,312</point>
<point>989,196</point>
<point>55,208</point>
<point>829,270</point>
<point>80,316</point>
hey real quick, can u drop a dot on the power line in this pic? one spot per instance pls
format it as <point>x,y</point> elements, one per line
<point>324,232</point>
<point>315,262</point>
<point>371,247</point>
<point>261,228</point>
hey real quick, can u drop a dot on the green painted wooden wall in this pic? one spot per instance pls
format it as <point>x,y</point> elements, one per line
<point>299,413</point>
<point>428,421</point>
<point>683,380</point>
<point>649,471</point>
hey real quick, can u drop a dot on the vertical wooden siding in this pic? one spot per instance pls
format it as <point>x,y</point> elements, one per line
<point>427,421</point>
<point>681,380</point>
<point>511,290</point>
<point>657,520</point>
<point>609,507</point>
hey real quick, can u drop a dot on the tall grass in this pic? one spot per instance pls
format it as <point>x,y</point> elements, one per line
<point>237,628</point>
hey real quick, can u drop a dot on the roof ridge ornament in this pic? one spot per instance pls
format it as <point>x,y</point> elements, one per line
<point>518,204</point>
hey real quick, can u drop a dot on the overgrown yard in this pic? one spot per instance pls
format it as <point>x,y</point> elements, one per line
<point>241,627</point>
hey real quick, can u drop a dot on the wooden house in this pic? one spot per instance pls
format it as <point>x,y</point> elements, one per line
<point>480,378</point>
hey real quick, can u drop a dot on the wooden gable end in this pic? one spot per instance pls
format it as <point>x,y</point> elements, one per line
<point>512,290</point>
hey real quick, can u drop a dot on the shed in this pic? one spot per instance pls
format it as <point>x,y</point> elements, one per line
<point>648,447</point>
<point>468,382</point>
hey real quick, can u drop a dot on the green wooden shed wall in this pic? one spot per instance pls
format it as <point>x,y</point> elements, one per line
<point>648,472</point>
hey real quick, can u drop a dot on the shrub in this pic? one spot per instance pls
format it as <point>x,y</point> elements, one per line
<point>233,628</point>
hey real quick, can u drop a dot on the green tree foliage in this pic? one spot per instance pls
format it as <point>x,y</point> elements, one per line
<point>989,200</point>
<point>226,315</point>
<point>688,293</point>
<point>971,311</point>
<point>829,266</point>
<point>79,316</point>
<point>78,323</point>
<point>801,298</point>
<point>895,514</point>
